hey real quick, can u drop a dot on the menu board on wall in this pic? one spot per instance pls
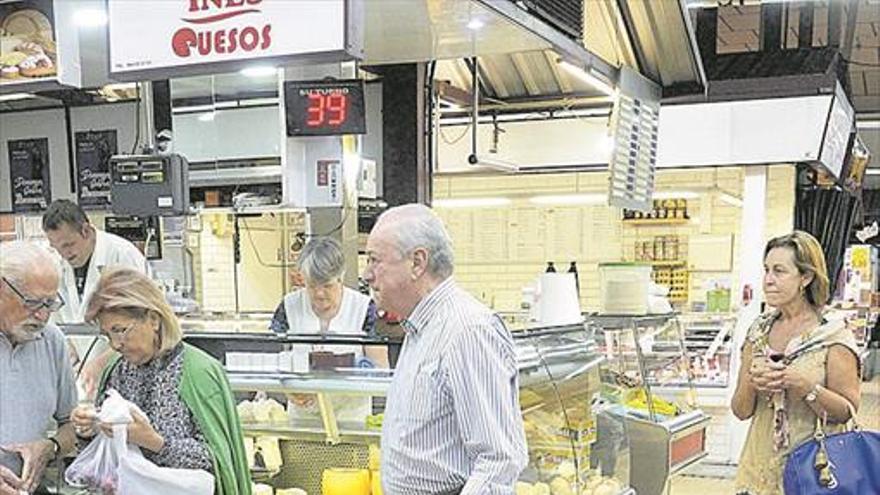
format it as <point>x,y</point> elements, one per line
<point>93,152</point>
<point>28,48</point>
<point>29,174</point>
<point>636,125</point>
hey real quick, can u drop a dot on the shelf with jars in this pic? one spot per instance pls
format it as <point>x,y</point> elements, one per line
<point>668,256</point>
<point>664,211</point>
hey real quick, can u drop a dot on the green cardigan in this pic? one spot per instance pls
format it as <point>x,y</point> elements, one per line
<point>205,390</point>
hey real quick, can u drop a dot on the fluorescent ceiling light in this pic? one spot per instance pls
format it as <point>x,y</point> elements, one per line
<point>675,195</point>
<point>868,124</point>
<point>873,171</point>
<point>475,24</point>
<point>470,202</point>
<point>570,199</point>
<point>16,96</point>
<point>90,18</point>
<point>259,71</point>
<point>120,86</point>
<point>587,77</point>
<point>730,199</point>
<point>449,104</point>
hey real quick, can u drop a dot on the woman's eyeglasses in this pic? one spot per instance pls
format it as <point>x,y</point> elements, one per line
<point>118,334</point>
<point>34,305</point>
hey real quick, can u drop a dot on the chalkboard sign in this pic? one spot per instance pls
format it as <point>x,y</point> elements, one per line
<point>93,152</point>
<point>29,174</point>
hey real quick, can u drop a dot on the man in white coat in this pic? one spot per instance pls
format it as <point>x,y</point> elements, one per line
<point>86,252</point>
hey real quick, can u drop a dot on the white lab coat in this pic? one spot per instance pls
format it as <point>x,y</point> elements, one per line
<point>301,319</point>
<point>348,320</point>
<point>110,250</point>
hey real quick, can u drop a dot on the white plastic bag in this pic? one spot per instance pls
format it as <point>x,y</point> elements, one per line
<point>133,473</point>
<point>96,466</point>
<point>137,475</point>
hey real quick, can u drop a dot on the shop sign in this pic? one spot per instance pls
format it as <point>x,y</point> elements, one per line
<point>93,152</point>
<point>164,34</point>
<point>29,174</point>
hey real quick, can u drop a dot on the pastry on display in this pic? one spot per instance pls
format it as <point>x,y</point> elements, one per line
<point>27,46</point>
<point>10,72</point>
<point>37,66</point>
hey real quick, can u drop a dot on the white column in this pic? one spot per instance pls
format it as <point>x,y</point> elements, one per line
<point>751,267</point>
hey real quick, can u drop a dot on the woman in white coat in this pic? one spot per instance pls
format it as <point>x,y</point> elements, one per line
<point>326,306</point>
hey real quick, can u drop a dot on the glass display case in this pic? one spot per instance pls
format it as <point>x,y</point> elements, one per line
<point>666,431</point>
<point>307,421</point>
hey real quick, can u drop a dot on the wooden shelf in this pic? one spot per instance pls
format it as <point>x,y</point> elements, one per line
<point>655,221</point>
<point>667,262</point>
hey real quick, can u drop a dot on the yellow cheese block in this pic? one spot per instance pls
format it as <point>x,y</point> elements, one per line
<point>290,491</point>
<point>262,489</point>
<point>375,459</point>
<point>338,481</point>
<point>375,483</point>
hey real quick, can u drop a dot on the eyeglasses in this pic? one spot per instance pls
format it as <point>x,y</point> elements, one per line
<point>34,305</point>
<point>118,334</point>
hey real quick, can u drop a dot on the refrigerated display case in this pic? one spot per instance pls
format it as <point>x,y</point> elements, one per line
<point>666,430</point>
<point>575,445</point>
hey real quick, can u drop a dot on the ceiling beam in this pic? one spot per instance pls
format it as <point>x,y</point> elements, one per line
<point>806,12</point>
<point>771,27</point>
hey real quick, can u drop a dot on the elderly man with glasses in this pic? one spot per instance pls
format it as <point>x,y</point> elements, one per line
<point>36,380</point>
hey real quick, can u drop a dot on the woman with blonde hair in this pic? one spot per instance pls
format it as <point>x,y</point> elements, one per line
<point>191,420</point>
<point>798,364</point>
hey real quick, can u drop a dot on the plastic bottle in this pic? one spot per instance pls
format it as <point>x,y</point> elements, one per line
<point>572,268</point>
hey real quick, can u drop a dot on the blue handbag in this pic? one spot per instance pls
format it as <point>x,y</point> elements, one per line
<point>841,464</point>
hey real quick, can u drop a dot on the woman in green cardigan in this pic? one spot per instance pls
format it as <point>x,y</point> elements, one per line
<point>191,419</point>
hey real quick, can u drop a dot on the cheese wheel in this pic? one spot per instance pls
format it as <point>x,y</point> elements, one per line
<point>375,483</point>
<point>261,489</point>
<point>290,491</point>
<point>338,481</point>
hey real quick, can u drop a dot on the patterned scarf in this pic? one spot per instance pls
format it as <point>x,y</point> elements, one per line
<point>829,332</point>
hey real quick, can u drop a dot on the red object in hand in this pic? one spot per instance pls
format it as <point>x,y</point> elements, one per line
<point>391,317</point>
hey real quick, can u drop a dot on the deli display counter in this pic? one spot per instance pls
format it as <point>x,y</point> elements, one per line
<point>667,432</point>
<point>311,408</point>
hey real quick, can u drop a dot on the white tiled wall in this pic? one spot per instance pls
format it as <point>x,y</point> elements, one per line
<point>499,250</point>
<point>214,264</point>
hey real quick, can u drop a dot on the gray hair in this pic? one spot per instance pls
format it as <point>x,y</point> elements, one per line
<point>321,260</point>
<point>417,226</point>
<point>18,259</point>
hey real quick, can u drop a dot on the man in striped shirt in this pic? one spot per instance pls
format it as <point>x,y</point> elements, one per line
<point>452,420</point>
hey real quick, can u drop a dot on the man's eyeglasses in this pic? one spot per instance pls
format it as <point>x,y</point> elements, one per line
<point>35,305</point>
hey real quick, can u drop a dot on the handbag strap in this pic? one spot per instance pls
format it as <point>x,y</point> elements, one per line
<point>852,416</point>
<point>822,421</point>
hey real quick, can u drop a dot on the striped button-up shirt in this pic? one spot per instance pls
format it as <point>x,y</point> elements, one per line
<point>452,421</point>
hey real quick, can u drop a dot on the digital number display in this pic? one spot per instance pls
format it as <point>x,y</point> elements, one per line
<point>325,108</point>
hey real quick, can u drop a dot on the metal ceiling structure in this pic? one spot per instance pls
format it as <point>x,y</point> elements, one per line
<point>654,38</point>
<point>852,26</point>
